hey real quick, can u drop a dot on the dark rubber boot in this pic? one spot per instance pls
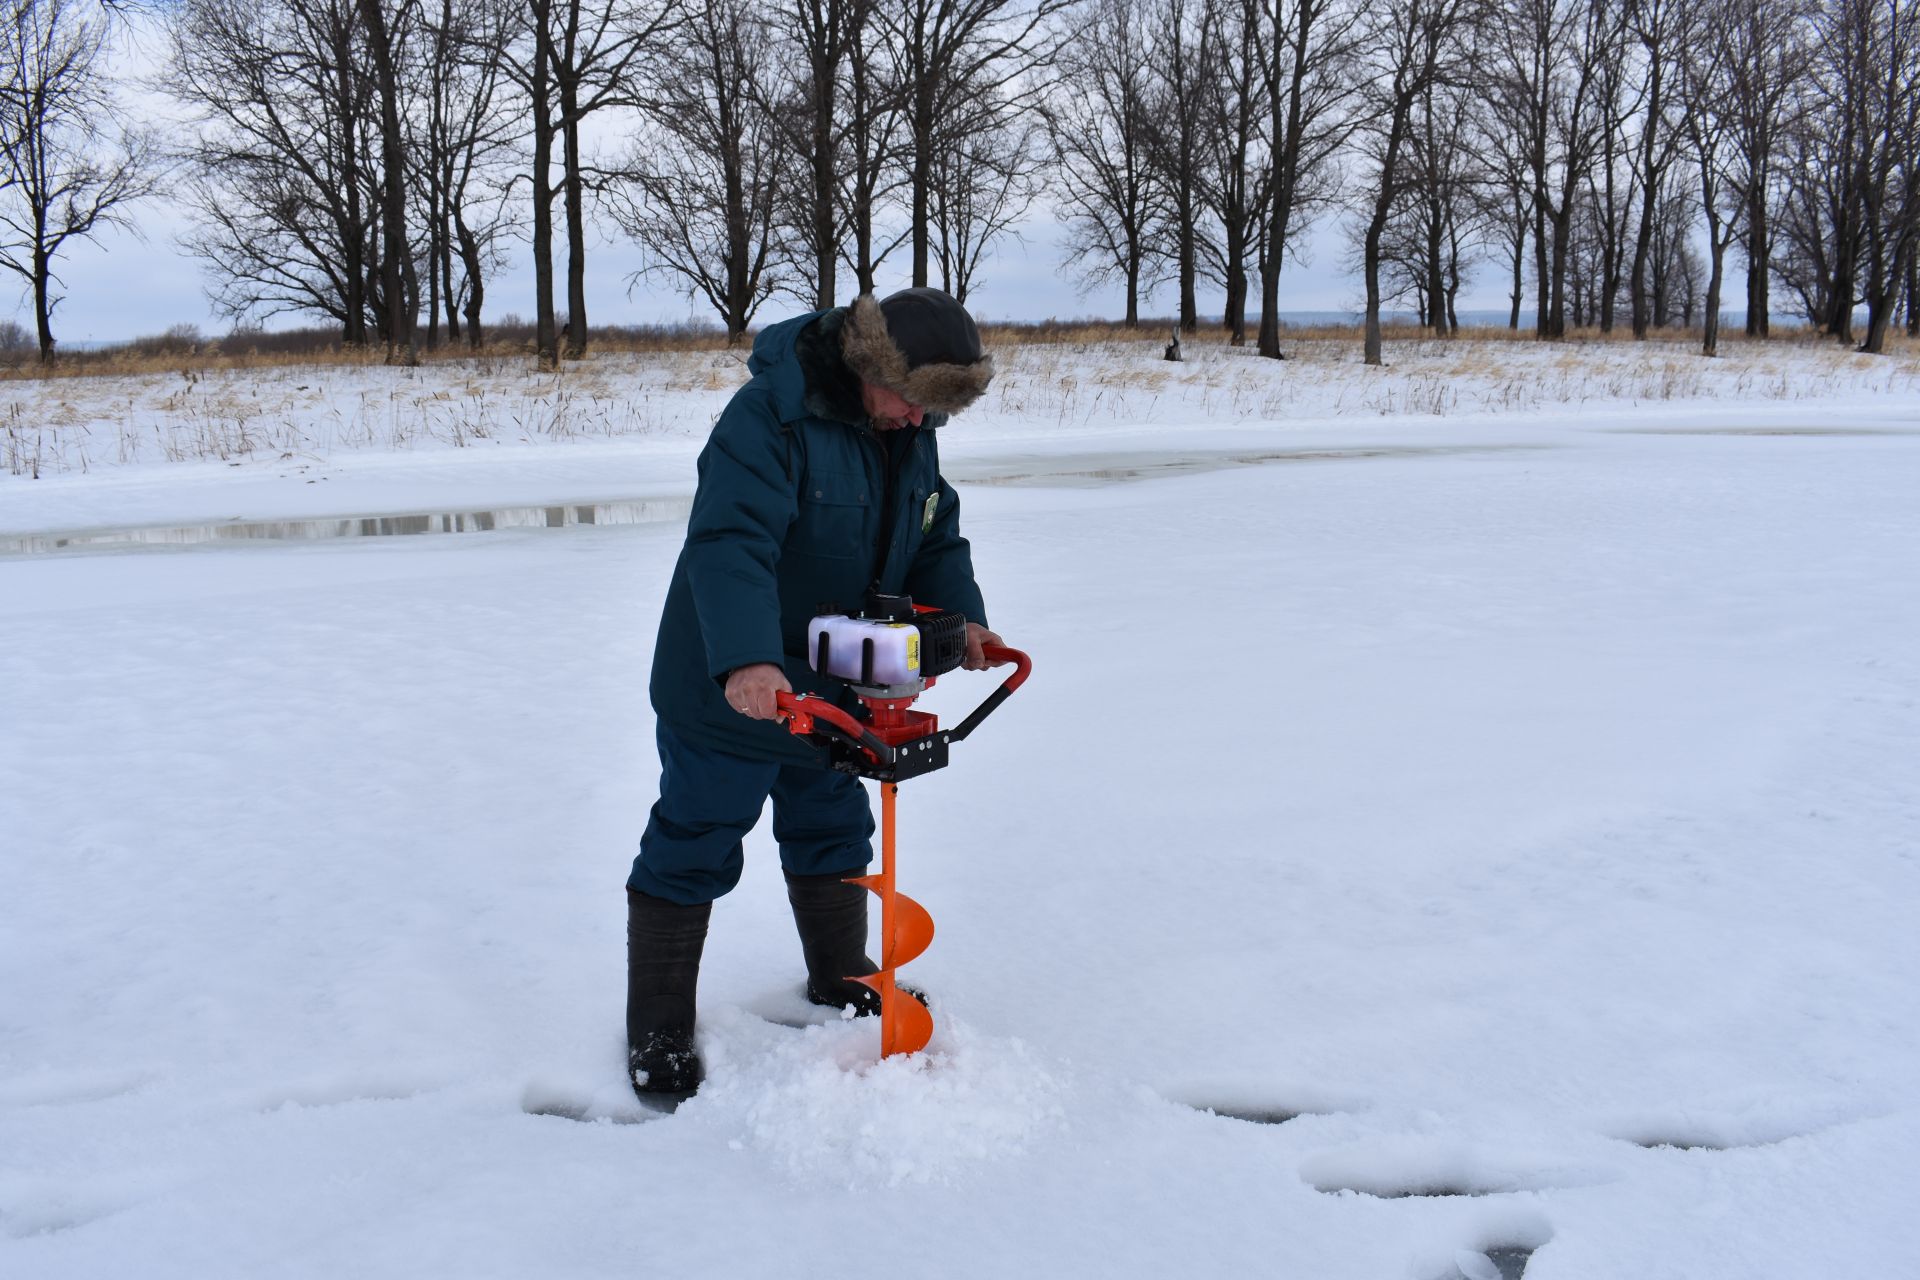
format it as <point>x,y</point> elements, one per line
<point>664,942</point>
<point>832,918</point>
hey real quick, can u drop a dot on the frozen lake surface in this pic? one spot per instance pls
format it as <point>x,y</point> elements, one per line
<point>1486,845</point>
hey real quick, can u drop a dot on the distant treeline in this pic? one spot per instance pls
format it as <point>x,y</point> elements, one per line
<point>364,162</point>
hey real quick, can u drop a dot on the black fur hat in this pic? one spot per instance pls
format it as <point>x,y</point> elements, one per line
<point>920,344</point>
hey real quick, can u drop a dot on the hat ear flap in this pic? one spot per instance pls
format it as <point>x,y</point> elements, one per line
<point>869,349</point>
<point>948,388</point>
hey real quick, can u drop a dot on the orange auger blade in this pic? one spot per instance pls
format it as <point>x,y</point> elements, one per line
<point>905,1024</point>
<point>906,930</point>
<point>912,931</point>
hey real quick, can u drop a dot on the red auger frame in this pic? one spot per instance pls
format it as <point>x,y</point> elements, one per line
<point>893,744</point>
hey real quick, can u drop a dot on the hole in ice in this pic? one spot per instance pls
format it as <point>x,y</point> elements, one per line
<point>1679,1144</point>
<point>1116,468</point>
<point>567,516</point>
<point>1250,1114</point>
<point>1502,1262</point>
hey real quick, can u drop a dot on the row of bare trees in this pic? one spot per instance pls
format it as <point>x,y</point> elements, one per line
<point>1608,152</point>
<point>370,161</point>
<point>67,169</point>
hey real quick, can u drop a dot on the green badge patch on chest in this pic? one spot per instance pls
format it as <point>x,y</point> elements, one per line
<point>926,513</point>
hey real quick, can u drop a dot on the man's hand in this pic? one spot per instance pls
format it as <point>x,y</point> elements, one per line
<point>750,690</point>
<point>978,638</point>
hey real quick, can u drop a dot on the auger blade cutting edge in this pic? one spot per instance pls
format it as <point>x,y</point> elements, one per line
<point>890,653</point>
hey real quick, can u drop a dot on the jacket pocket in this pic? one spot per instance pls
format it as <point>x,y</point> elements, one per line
<point>834,517</point>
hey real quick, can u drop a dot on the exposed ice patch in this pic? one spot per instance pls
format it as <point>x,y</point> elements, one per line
<point>1757,431</point>
<point>1119,467</point>
<point>561,516</point>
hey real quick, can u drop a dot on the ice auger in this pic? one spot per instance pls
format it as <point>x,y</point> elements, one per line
<point>890,653</point>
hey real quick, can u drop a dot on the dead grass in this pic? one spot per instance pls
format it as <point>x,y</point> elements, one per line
<point>510,346</point>
<point>259,406</point>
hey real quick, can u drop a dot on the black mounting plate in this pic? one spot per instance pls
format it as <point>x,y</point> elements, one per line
<point>911,759</point>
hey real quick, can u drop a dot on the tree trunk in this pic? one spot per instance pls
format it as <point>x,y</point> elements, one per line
<point>1189,302</point>
<point>42,278</point>
<point>826,180</point>
<point>393,188</point>
<point>545,340</point>
<point>1436,265</point>
<point>576,234</point>
<point>1542,273</point>
<point>1376,227</point>
<point>1562,242</point>
<point>1519,268</point>
<point>923,142</point>
<point>353,330</point>
<point>1759,269</point>
<point>476,289</point>
<point>1717,253</point>
<point>1913,297</point>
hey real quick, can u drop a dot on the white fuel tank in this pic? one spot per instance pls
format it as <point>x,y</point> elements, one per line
<point>864,651</point>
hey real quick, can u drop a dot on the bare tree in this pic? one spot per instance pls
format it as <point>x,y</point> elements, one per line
<point>1237,175</point>
<point>961,63</point>
<point>1654,26</point>
<point>876,102</point>
<point>1413,45</point>
<point>597,49</point>
<point>1884,42</point>
<point>385,30</point>
<point>1508,212</point>
<point>698,193</point>
<point>1097,122</point>
<point>65,171</point>
<point>280,175</point>
<point>1767,62</point>
<point>983,184</point>
<point>1548,56</point>
<point>1311,79</point>
<point>459,143</point>
<point>571,60</point>
<point>1612,183</point>
<point>1444,178</point>
<point>1704,78</point>
<point>812,111</point>
<point>1184,67</point>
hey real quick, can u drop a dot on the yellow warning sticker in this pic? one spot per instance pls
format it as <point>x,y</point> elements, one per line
<point>913,651</point>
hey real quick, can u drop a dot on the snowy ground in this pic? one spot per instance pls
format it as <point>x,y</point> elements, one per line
<point>1526,800</point>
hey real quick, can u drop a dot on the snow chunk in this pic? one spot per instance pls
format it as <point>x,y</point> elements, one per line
<point>818,1103</point>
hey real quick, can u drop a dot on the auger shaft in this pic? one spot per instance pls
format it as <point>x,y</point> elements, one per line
<point>888,908</point>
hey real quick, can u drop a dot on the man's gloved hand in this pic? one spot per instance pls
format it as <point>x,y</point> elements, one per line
<point>978,638</point>
<point>750,689</point>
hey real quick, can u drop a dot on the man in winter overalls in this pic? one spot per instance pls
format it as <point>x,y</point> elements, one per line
<point>821,482</point>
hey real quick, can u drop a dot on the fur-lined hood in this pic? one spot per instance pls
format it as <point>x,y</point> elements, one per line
<point>936,386</point>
